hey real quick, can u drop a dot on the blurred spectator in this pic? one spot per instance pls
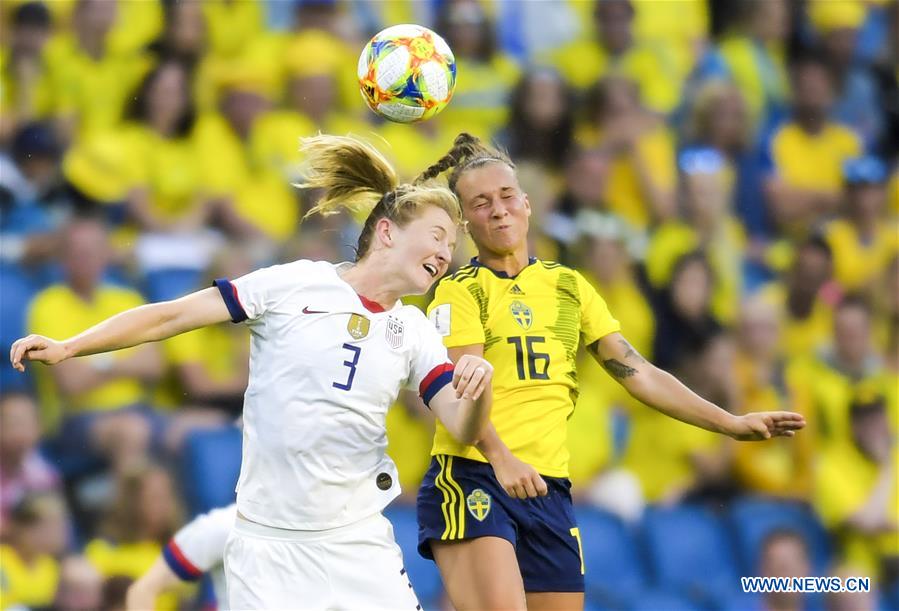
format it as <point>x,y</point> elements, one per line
<point>752,55</point>
<point>115,590</point>
<point>90,83</point>
<point>609,266</point>
<point>784,553</point>
<point>838,372</point>
<point>672,460</point>
<point>39,204</point>
<point>485,75</point>
<point>586,175</point>
<point>709,225</point>
<point>258,194</point>
<point>99,398</point>
<point>718,120</point>
<point>24,95</point>
<point>541,120</point>
<point>857,495</point>
<point>37,536</point>
<point>805,298</point>
<point>208,367</point>
<point>22,468</point>
<point>782,467</point>
<point>805,155</point>
<point>615,51</point>
<point>143,517</point>
<point>232,26</point>
<point>857,100</point>
<point>642,177</point>
<point>80,585</point>
<point>684,319</point>
<point>864,239</point>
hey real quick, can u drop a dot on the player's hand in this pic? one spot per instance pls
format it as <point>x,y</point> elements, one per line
<point>519,479</point>
<point>471,377</point>
<point>36,348</point>
<point>758,426</point>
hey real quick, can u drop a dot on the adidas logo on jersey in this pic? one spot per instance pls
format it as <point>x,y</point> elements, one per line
<point>515,290</point>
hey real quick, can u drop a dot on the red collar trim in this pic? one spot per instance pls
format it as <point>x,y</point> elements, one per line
<point>371,306</point>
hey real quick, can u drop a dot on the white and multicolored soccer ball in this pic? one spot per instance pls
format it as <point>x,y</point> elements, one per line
<point>407,73</point>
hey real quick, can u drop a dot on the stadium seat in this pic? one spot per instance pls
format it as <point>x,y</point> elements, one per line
<point>165,284</point>
<point>689,553</point>
<point>210,465</point>
<point>16,291</point>
<point>752,519</point>
<point>423,573</point>
<point>614,573</point>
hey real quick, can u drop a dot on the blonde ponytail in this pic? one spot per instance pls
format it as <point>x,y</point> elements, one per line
<point>357,178</point>
<point>353,174</point>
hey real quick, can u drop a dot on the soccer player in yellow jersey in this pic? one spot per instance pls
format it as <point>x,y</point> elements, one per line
<point>502,535</point>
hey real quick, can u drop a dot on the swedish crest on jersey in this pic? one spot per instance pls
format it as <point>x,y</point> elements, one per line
<point>478,503</point>
<point>522,314</point>
<point>358,326</point>
<point>394,333</point>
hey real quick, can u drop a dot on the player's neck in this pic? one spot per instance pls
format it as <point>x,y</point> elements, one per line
<point>510,263</point>
<point>371,282</point>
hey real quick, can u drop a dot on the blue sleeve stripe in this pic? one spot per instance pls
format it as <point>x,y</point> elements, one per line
<point>179,565</point>
<point>436,384</point>
<point>229,295</point>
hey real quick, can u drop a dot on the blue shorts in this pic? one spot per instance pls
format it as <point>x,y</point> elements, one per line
<point>460,499</point>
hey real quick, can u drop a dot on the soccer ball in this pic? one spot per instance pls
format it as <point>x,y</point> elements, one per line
<point>407,73</point>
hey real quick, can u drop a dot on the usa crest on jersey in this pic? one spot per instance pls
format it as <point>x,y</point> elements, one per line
<point>522,314</point>
<point>394,332</point>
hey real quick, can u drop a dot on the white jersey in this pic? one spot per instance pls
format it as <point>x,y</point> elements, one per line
<point>199,547</point>
<point>325,366</point>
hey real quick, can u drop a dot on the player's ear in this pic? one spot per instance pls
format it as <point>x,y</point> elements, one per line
<point>384,231</point>
<point>527,203</point>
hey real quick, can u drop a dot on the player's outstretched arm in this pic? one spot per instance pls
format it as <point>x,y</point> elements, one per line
<point>662,391</point>
<point>464,406</point>
<point>142,593</point>
<point>146,323</point>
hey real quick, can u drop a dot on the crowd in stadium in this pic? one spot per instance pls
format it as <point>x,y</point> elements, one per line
<point>725,173</point>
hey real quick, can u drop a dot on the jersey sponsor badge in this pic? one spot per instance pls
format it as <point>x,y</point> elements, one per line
<point>358,326</point>
<point>516,290</point>
<point>522,314</point>
<point>394,333</point>
<point>440,318</point>
<point>478,503</point>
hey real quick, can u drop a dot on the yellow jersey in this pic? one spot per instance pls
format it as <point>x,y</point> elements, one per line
<point>26,585</point>
<point>58,312</point>
<point>530,325</point>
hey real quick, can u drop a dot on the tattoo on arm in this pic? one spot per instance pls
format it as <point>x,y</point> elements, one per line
<point>618,369</point>
<point>630,352</point>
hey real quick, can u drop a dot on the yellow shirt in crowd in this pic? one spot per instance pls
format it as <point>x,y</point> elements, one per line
<point>59,313</point>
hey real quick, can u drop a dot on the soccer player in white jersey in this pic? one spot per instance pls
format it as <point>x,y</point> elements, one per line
<point>331,346</point>
<point>196,549</point>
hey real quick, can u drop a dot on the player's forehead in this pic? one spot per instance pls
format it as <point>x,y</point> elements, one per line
<point>487,179</point>
<point>435,218</point>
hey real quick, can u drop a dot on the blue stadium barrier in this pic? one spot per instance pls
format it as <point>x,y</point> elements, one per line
<point>752,519</point>
<point>614,573</point>
<point>210,465</point>
<point>423,573</point>
<point>689,553</point>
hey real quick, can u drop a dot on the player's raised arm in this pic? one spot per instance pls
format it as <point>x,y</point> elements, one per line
<point>662,391</point>
<point>464,406</point>
<point>146,323</point>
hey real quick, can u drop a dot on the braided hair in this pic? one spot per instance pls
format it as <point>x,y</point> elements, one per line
<point>467,153</point>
